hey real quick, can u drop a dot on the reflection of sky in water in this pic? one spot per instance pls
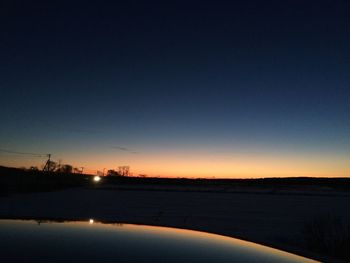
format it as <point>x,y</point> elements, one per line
<point>89,241</point>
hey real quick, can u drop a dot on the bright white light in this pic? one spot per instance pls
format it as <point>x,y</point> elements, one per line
<point>97,178</point>
<point>91,221</point>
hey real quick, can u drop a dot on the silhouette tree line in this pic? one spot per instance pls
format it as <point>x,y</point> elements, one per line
<point>122,171</point>
<point>54,167</point>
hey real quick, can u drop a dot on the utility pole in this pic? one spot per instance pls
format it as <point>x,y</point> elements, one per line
<point>59,165</point>
<point>47,165</point>
<point>82,170</point>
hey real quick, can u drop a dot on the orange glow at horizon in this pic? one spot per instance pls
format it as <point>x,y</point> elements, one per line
<point>191,164</point>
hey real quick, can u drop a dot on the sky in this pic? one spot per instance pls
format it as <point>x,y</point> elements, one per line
<point>177,88</point>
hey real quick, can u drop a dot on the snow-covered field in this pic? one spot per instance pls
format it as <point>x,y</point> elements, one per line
<point>268,218</point>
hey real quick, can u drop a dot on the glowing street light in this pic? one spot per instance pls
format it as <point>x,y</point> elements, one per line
<point>97,178</point>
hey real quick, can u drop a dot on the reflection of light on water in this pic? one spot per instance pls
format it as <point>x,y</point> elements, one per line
<point>97,178</point>
<point>91,221</point>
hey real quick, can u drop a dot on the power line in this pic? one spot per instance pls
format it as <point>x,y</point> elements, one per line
<point>23,153</point>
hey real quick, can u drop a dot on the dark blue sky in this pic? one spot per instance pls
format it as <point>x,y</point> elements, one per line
<point>173,77</point>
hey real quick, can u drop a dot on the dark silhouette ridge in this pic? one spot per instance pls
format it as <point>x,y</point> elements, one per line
<point>14,180</point>
<point>31,180</point>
